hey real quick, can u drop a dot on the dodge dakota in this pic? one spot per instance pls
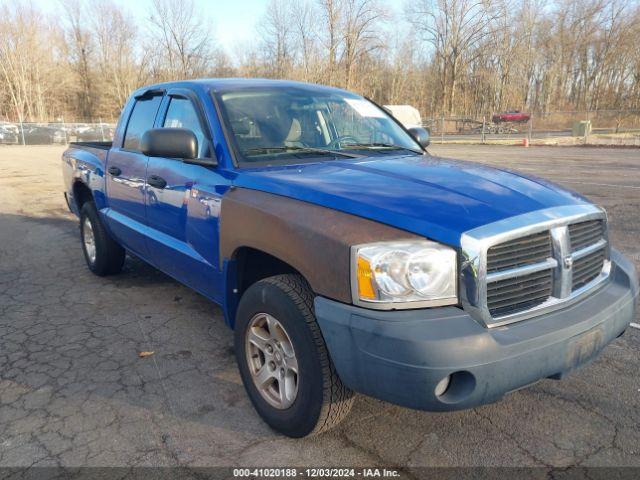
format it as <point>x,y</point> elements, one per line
<point>344,256</point>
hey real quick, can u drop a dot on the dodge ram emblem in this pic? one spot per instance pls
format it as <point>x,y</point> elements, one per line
<point>568,262</point>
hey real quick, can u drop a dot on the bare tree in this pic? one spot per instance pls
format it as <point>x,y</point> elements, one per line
<point>472,57</point>
<point>331,14</point>
<point>185,40</point>
<point>453,28</point>
<point>80,52</point>
<point>361,34</point>
<point>120,65</point>
<point>305,37</point>
<point>27,71</point>
<point>276,33</point>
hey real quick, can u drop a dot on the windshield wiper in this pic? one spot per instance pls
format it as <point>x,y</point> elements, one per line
<point>266,150</point>
<point>388,146</point>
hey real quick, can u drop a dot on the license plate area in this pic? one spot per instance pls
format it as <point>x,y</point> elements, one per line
<point>583,348</point>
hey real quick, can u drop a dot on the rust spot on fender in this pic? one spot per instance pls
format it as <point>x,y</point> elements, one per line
<point>312,239</point>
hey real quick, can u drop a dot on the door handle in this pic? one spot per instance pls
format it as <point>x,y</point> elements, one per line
<point>156,181</point>
<point>115,171</point>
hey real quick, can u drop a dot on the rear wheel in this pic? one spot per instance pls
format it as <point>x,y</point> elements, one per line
<point>104,256</point>
<point>283,359</point>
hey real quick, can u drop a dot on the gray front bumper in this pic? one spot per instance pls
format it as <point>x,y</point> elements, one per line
<point>400,356</point>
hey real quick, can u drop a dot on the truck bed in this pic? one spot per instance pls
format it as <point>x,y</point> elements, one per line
<point>90,152</point>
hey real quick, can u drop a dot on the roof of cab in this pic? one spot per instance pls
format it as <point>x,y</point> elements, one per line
<point>238,84</point>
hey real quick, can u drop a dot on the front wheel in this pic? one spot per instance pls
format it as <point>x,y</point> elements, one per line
<point>283,359</point>
<point>101,252</point>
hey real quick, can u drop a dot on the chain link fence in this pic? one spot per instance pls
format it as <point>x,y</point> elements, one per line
<point>51,133</point>
<point>603,127</point>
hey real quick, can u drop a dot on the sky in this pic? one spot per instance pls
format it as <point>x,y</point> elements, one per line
<point>233,21</point>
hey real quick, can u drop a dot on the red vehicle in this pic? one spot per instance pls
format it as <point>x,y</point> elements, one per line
<point>515,116</point>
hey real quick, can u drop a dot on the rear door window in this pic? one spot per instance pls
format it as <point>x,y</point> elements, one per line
<point>141,119</point>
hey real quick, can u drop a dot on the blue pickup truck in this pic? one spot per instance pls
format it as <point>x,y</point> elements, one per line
<point>344,256</point>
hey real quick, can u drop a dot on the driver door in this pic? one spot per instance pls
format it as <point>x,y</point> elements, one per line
<point>183,203</point>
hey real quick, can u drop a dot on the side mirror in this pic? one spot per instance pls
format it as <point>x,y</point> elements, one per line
<point>169,142</point>
<point>422,136</point>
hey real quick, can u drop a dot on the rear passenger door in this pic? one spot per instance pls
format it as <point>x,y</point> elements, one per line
<point>183,202</point>
<point>126,173</point>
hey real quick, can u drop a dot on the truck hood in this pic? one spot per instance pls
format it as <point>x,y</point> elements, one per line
<point>429,196</point>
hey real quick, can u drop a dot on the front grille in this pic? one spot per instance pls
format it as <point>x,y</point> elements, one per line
<point>587,268</point>
<point>517,294</point>
<point>560,254</point>
<point>519,252</point>
<point>520,292</point>
<point>583,234</point>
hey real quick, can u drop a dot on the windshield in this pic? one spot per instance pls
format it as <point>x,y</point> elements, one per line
<point>295,125</point>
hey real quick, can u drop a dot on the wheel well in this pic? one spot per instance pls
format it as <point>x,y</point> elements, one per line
<point>81,194</point>
<point>254,265</point>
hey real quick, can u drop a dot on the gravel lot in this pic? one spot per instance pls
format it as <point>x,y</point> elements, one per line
<point>73,391</point>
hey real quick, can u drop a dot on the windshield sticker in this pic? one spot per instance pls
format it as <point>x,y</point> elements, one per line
<point>365,108</point>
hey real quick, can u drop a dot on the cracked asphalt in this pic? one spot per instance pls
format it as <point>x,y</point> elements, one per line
<point>73,391</point>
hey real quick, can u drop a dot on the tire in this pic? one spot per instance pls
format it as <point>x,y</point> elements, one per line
<point>107,256</point>
<point>321,400</point>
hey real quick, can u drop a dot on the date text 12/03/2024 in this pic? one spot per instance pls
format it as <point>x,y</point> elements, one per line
<point>316,472</point>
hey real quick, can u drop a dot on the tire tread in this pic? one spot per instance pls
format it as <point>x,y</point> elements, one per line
<point>337,397</point>
<point>112,255</point>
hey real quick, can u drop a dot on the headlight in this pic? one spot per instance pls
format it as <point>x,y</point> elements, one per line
<point>404,274</point>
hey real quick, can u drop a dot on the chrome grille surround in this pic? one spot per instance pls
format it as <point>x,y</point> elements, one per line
<point>474,277</point>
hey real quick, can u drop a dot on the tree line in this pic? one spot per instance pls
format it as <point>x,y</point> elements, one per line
<point>445,57</point>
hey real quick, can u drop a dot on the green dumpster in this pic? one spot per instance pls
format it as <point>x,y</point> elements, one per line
<point>581,128</point>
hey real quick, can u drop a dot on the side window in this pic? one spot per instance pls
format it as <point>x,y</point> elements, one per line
<point>141,120</point>
<point>182,114</point>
